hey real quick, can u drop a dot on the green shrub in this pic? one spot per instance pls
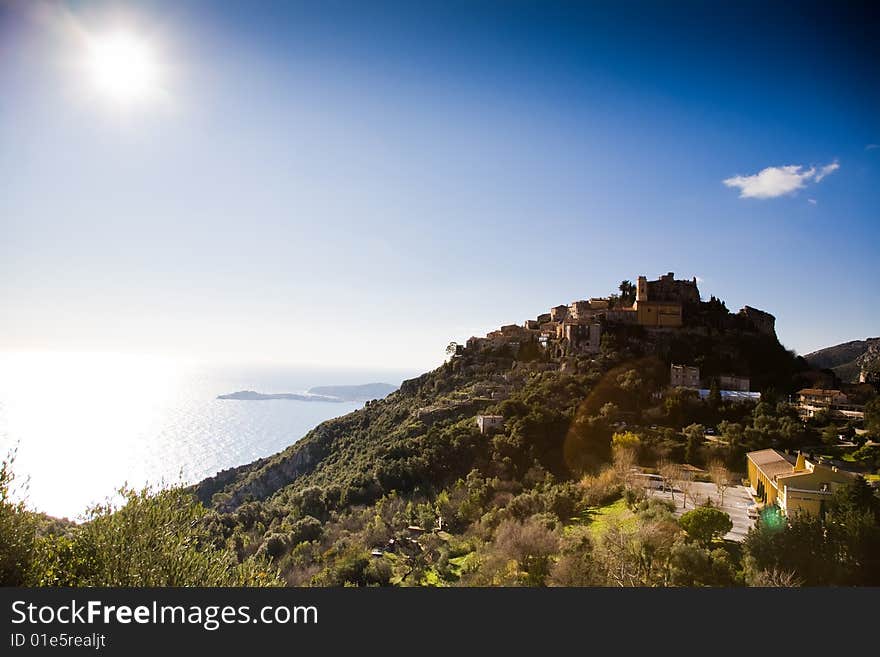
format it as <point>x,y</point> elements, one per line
<point>17,530</point>
<point>153,539</point>
<point>704,524</point>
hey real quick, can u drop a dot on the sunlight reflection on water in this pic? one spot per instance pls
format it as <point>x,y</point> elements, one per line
<point>86,423</point>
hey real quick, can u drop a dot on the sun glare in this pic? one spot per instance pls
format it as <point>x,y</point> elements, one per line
<point>123,67</point>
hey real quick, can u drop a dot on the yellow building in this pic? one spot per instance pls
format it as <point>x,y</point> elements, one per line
<point>651,312</point>
<point>659,313</point>
<point>793,483</point>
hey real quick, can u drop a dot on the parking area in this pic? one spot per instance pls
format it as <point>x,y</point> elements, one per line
<point>736,504</point>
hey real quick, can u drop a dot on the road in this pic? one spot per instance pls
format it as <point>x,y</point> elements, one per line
<point>736,502</point>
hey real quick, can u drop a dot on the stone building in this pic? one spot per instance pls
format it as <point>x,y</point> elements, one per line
<point>659,303</point>
<point>583,337</point>
<point>488,423</point>
<point>834,402</point>
<point>558,313</point>
<point>577,327</point>
<point>579,310</point>
<point>763,322</point>
<point>684,376</point>
<point>476,344</point>
<point>621,315</point>
<point>666,288</point>
<point>730,382</point>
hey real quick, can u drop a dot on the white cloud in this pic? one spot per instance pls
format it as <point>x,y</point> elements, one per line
<point>812,201</point>
<point>824,171</point>
<point>778,181</point>
<point>871,147</point>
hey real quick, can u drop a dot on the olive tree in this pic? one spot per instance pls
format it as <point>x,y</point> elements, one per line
<point>704,524</point>
<point>720,477</point>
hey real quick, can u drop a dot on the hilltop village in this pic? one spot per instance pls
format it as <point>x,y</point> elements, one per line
<point>577,328</point>
<point>665,305</point>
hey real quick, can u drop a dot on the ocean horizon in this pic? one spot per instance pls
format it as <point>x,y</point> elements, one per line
<point>82,425</point>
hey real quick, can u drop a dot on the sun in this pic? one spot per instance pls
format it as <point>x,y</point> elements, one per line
<point>123,67</point>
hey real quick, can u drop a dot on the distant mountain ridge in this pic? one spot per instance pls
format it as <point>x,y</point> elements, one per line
<point>844,359</point>
<point>253,395</point>
<point>356,393</point>
<point>363,392</point>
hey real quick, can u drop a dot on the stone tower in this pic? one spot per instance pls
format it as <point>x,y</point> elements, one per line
<point>642,289</point>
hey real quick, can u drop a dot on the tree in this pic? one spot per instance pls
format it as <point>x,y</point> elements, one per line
<point>704,524</point>
<point>774,578</point>
<point>630,381</point>
<point>732,432</point>
<point>626,440</point>
<point>588,444</point>
<point>17,529</point>
<point>686,483</point>
<point>695,434</point>
<point>608,346</point>
<point>671,473</point>
<point>627,292</point>
<point>856,496</point>
<point>872,416</point>
<point>521,554</point>
<point>639,555</point>
<point>693,565</point>
<point>632,384</point>
<point>714,395</point>
<point>830,434</point>
<point>154,539</point>
<point>575,566</point>
<point>609,411</point>
<point>800,544</point>
<point>720,477</point>
<point>854,518</point>
<point>624,454</point>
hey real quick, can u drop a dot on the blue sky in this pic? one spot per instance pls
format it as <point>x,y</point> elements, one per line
<point>360,183</point>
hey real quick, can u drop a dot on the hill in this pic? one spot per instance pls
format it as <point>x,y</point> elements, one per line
<point>423,435</point>
<point>413,489</point>
<point>844,359</point>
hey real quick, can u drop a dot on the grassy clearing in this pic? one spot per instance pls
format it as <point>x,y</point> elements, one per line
<point>601,517</point>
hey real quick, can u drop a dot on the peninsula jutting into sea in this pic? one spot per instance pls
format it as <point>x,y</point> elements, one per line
<point>349,393</point>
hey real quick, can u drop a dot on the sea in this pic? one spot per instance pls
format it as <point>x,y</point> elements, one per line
<point>79,426</point>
